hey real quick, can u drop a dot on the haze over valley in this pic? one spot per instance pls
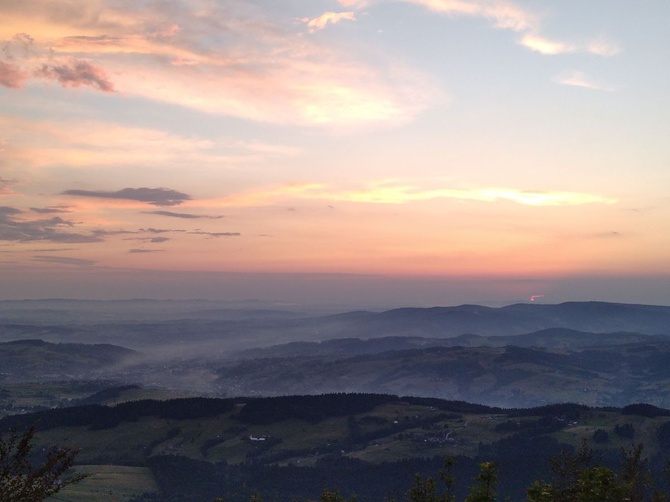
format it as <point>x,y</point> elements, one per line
<point>594,353</point>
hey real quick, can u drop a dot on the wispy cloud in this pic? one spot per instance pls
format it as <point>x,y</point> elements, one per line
<point>5,183</point>
<point>215,234</point>
<point>14,228</point>
<point>6,211</point>
<point>579,79</point>
<point>49,210</point>
<point>25,59</point>
<point>142,250</point>
<point>394,193</point>
<point>159,230</point>
<point>47,143</point>
<point>505,15</point>
<point>603,47</point>
<point>548,47</point>
<point>53,250</point>
<point>152,240</point>
<point>359,4</point>
<point>11,76</point>
<point>77,73</point>
<point>545,46</point>
<point>153,196</point>
<point>607,235</point>
<point>263,196</point>
<point>62,260</point>
<point>186,216</point>
<point>262,72</point>
<point>319,23</point>
<point>508,16</point>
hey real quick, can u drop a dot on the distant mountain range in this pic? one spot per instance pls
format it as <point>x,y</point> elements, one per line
<point>521,355</point>
<point>596,317</point>
<point>194,328</point>
<point>556,338</point>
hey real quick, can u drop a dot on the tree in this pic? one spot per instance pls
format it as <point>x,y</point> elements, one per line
<point>600,436</point>
<point>625,430</point>
<point>487,479</point>
<point>334,496</point>
<point>663,435</point>
<point>20,481</point>
<point>576,480</point>
<point>422,490</point>
<point>425,489</point>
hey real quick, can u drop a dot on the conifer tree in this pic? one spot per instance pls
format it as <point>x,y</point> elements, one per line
<point>20,481</point>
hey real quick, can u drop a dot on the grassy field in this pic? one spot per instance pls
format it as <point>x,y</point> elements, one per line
<point>15,397</point>
<point>108,483</point>
<point>33,396</point>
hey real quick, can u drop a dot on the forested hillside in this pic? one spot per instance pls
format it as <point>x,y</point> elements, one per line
<point>370,445</point>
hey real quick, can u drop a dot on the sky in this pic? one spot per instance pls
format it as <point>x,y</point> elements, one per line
<point>405,152</point>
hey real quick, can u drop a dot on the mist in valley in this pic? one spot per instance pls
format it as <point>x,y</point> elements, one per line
<point>519,355</point>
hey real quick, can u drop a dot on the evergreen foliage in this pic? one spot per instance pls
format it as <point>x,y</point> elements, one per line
<point>310,408</point>
<point>97,417</point>
<point>600,436</point>
<point>20,481</point>
<point>625,430</point>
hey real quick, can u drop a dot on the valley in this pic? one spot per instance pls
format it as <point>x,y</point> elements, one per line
<point>257,397</point>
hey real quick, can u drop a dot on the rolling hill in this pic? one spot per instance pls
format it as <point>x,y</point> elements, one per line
<point>37,360</point>
<point>292,447</point>
<point>607,375</point>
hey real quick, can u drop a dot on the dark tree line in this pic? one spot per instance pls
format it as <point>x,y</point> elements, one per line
<point>97,416</point>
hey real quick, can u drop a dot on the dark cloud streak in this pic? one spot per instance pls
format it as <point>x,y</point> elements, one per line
<point>186,216</point>
<point>6,210</point>
<point>64,260</point>
<point>148,239</point>
<point>77,73</point>
<point>14,229</point>
<point>21,53</point>
<point>216,234</point>
<point>53,250</point>
<point>153,196</point>
<point>48,210</point>
<point>159,230</point>
<point>140,251</point>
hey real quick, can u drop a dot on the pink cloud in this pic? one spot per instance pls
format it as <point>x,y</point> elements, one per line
<point>11,76</point>
<point>580,79</point>
<point>77,73</point>
<point>544,45</point>
<point>264,72</point>
<point>25,58</point>
<point>323,20</point>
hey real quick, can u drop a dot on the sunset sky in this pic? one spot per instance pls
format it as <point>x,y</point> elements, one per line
<point>416,152</point>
